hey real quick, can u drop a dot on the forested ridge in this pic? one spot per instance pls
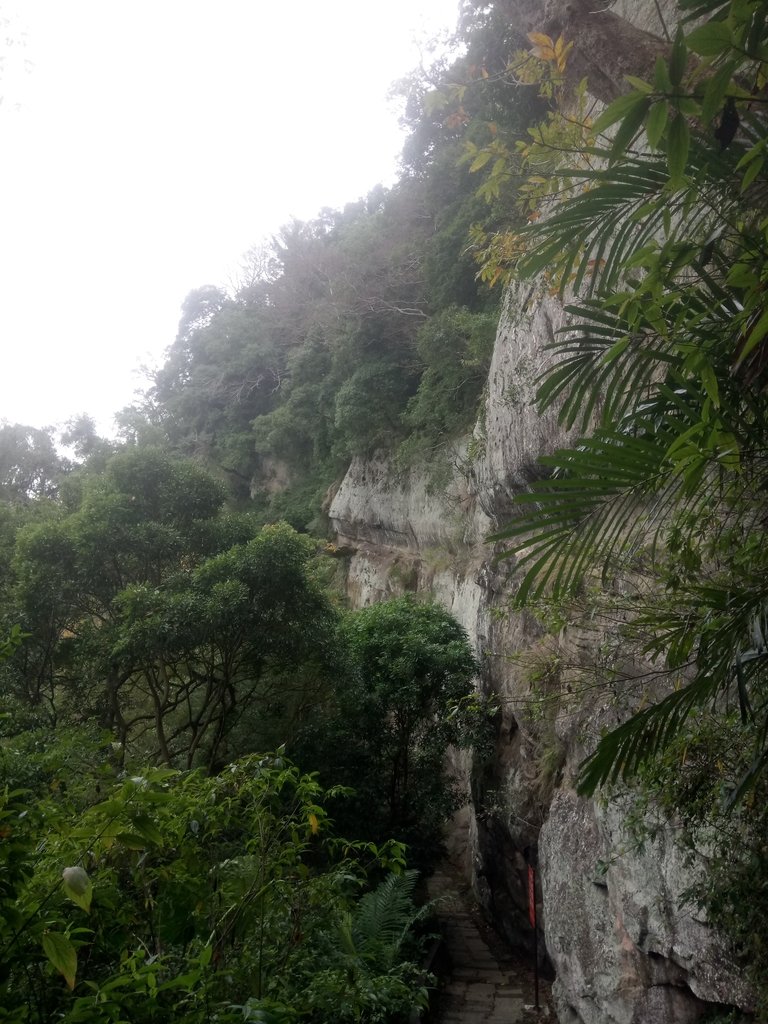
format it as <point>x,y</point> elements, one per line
<point>220,781</point>
<point>175,649</point>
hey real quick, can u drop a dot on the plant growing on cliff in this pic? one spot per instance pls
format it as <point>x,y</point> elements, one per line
<point>663,367</point>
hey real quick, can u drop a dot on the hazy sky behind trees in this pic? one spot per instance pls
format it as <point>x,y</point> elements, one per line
<point>146,146</point>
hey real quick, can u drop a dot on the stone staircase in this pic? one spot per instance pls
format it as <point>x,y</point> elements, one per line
<point>485,985</point>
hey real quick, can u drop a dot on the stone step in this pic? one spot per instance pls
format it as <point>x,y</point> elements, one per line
<point>479,991</point>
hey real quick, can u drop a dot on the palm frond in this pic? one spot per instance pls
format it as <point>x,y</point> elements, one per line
<point>723,636</point>
<point>590,238</point>
<point>591,508</point>
<point>622,751</point>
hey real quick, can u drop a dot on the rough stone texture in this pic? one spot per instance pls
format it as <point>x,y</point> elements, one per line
<point>484,984</point>
<point>627,949</point>
<point>624,948</point>
<point>606,46</point>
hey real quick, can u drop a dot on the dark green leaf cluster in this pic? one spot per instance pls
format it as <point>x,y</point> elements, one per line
<point>188,898</point>
<point>407,695</point>
<point>186,631</point>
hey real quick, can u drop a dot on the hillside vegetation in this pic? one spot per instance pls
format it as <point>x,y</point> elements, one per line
<point>217,779</point>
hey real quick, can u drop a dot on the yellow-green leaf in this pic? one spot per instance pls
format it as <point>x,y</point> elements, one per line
<point>678,142</point>
<point>656,122</point>
<point>62,955</point>
<point>661,78</point>
<point>639,84</point>
<point>540,39</point>
<point>480,160</point>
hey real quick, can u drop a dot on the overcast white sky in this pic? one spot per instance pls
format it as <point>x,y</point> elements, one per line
<point>146,144</point>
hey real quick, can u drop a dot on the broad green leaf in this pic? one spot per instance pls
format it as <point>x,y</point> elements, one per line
<point>480,160</point>
<point>678,59</point>
<point>751,173</point>
<point>661,79</point>
<point>618,109</point>
<point>615,350</point>
<point>709,380</point>
<point>639,84</point>
<point>715,91</point>
<point>710,40</point>
<point>629,126</point>
<point>756,335</point>
<point>742,275</point>
<point>678,143</point>
<point>147,828</point>
<point>752,154</point>
<point>656,122</point>
<point>62,955</point>
<point>131,840</point>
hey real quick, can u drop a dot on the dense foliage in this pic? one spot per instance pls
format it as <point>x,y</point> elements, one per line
<point>385,733</point>
<point>150,852</point>
<point>160,639</point>
<point>162,610</point>
<point>663,360</point>
<point>191,898</point>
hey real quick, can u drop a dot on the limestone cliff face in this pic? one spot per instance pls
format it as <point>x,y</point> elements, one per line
<point>623,945</point>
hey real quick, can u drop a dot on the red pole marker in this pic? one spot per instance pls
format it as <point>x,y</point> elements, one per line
<point>532,919</point>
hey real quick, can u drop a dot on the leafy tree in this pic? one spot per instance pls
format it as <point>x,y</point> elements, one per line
<point>217,658</point>
<point>30,467</point>
<point>169,622</point>
<point>81,436</point>
<point>456,348</point>
<point>407,697</point>
<point>314,357</point>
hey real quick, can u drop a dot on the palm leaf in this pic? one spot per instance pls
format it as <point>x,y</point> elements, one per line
<point>713,628</point>
<point>590,237</point>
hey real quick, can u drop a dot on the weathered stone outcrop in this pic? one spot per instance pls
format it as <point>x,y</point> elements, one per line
<point>624,946</point>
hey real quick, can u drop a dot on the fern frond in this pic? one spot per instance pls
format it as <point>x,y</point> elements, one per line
<point>384,917</point>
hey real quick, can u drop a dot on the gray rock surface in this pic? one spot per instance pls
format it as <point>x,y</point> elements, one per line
<point>624,946</point>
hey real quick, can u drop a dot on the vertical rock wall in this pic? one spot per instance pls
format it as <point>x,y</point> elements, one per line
<point>624,947</point>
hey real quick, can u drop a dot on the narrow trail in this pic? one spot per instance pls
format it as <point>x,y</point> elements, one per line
<point>486,985</point>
